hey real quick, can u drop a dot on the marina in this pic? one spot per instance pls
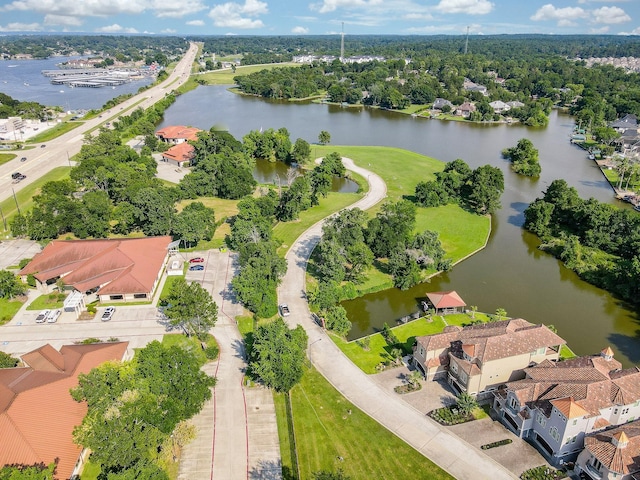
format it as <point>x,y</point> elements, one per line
<point>91,77</point>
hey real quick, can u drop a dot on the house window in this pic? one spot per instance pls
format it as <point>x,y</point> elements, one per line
<point>116,297</point>
<point>513,403</point>
<point>454,367</point>
<point>596,464</point>
<point>541,419</point>
<point>553,431</point>
<point>575,422</point>
<point>625,410</point>
<point>615,411</point>
<point>422,351</point>
<point>139,295</point>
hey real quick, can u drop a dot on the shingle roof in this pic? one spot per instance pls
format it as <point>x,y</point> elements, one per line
<point>449,299</point>
<point>37,413</point>
<point>617,449</point>
<point>115,266</point>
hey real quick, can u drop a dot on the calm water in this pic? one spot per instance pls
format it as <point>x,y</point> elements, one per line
<point>276,173</point>
<point>510,273</point>
<point>21,80</point>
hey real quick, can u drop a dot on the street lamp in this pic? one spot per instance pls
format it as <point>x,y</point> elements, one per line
<point>309,347</point>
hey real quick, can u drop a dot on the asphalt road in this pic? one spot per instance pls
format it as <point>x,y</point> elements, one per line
<point>57,152</point>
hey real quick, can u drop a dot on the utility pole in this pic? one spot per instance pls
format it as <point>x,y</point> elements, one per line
<point>342,44</point>
<point>16,200</point>
<point>466,43</point>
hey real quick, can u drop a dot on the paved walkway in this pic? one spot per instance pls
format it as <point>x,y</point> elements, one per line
<point>237,430</point>
<point>448,451</point>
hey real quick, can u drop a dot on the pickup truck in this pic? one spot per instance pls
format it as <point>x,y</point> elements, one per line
<point>284,310</point>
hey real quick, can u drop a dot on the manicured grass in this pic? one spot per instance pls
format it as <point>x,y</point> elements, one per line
<point>245,324</point>
<point>168,284</point>
<point>91,471</point>
<point>289,231</point>
<point>26,194</point>
<point>190,344</point>
<point>54,132</point>
<point>225,77</point>
<point>331,434</point>
<point>285,436</point>
<point>367,360</point>
<point>566,353</point>
<point>6,157</point>
<point>8,308</point>
<point>48,301</point>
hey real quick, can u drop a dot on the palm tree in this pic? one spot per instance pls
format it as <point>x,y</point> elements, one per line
<point>415,377</point>
<point>466,403</point>
<point>474,309</point>
<point>501,313</point>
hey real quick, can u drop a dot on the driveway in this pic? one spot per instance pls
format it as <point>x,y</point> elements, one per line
<point>435,442</point>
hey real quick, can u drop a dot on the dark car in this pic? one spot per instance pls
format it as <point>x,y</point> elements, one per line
<point>194,268</point>
<point>197,260</point>
<point>16,175</point>
<point>23,159</point>
<point>42,146</point>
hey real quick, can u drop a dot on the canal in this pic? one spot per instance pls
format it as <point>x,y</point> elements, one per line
<point>510,273</point>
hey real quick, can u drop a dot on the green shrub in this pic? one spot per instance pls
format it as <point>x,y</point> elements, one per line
<point>91,308</point>
<point>23,263</point>
<point>499,443</point>
<point>31,280</point>
<point>89,341</point>
<point>211,352</point>
<point>542,472</point>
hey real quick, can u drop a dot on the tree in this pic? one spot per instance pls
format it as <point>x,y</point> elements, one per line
<point>524,158</point>
<point>194,223</point>
<point>537,217</point>
<point>301,151</point>
<point>405,270</point>
<point>466,403</point>
<point>324,137</point>
<point>277,354</point>
<point>191,307</point>
<point>337,320</point>
<point>390,230</point>
<point>486,187</point>
<point>474,309</point>
<point>501,313</point>
<point>7,361</point>
<point>10,285</point>
<point>28,472</point>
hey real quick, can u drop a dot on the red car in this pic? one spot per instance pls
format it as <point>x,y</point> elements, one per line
<point>196,260</point>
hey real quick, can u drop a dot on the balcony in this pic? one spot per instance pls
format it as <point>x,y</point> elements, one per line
<point>592,472</point>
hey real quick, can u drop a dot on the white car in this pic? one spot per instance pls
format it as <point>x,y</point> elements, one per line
<point>107,314</point>
<point>53,316</point>
<point>284,310</point>
<point>42,316</point>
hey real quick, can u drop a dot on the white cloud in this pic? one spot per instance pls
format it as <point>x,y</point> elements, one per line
<point>599,31</point>
<point>170,31</point>
<point>470,7</point>
<point>65,20</point>
<point>602,1</point>
<point>418,16</point>
<point>105,8</point>
<point>196,23</point>
<point>115,28</point>
<point>635,31</point>
<point>331,5</point>
<point>237,15</point>
<point>564,16</point>
<point>610,15</point>
<point>21,27</point>
<point>300,30</point>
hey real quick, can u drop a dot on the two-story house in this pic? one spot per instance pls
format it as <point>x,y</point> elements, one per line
<point>477,359</point>
<point>558,403</point>
<point>611,454</point>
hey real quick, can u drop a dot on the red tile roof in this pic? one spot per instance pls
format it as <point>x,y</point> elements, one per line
<point>446,299</point>
<point>175,132</point>
<point>617,449</point>
<point>183,152</point>
<point>37,413</point>
<point>116,266</point>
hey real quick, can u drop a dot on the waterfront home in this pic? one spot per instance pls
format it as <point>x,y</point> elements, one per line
<point>177,134</point>
<point>612,453</point>
<point>499,106</point>
<point>627,122</point>
<point>558,404</point>
<point>515,104</point>
<point>179,155</point>
<point>465,109</point>
<point>470,86</point>
<point>439,103</point>
<point>446,302</point>
<point>478,359</point>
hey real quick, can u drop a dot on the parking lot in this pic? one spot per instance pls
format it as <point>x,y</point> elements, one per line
<point>12,251</point>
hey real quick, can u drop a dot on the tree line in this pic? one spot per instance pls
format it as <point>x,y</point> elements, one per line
<point>598,241</point>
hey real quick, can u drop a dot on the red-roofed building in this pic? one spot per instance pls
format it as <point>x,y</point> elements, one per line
<point>126,269</point>
<point>446,302</point>
<point>180,154</point>
<point>612,454</point>
<point>177,134</point>
<point>37,413</point>
<point>558,406</point>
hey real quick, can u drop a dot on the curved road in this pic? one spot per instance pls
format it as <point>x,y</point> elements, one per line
<point>448,451</point>
<point>56,152</point>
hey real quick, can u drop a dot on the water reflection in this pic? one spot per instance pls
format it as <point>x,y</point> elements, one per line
<point>279,173</point>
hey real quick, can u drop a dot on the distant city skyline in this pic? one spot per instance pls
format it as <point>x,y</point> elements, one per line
<point>321,17</point>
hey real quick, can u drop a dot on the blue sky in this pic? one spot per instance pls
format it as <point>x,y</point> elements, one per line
<point>321,17</point>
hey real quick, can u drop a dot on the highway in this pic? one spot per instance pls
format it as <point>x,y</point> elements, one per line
<point>57,152</point>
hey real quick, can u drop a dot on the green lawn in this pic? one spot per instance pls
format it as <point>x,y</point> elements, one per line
<point>48,301</point>
<point>331,434</point>
<point>6,157</point>
<point>225,77</point>
<point>8,308</point>
<point>168,284</point>
<point>26,194</point>
<point>90,471</point>
<point>54,132</point>
<point>245,324</point>
<point>378,351</point>
<point>191,344</point>
<point>289,231</point>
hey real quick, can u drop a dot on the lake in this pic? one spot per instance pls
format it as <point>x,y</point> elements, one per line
<point>510,272</point>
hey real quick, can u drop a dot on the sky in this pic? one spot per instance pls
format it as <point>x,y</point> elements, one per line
<point>321,17</point>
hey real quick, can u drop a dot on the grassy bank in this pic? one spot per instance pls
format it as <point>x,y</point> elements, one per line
<point>331,434</point>
<point>8,308</point>
<point>25,195</point>
<point>378,350</point>
<point>54,132</point>
<point>6,157</point>
<point>225,77</point>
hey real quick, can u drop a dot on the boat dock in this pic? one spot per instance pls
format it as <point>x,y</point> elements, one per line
<point>90,77</point>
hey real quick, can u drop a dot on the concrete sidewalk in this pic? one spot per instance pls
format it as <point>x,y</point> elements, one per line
<point>448,451</point>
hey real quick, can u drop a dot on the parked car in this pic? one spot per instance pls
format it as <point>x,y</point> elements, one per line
<point>196,260</point>
<point>107,314</point>
<point>194,268</point>
<point>42,146</point>
<point>284,310</point>
<point>53,316</point>
<point>42,316</point>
